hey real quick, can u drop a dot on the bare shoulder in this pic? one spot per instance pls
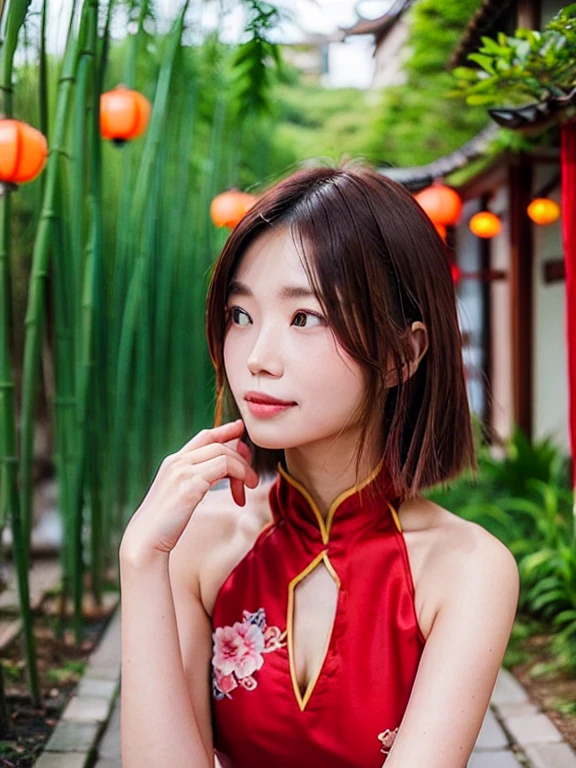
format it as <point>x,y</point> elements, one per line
<point>464,543</point>
<point>453,552</point>
<point>218,533</point>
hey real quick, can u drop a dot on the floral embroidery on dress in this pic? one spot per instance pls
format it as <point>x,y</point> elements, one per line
<point>238,649</point>
<point>386,738</point>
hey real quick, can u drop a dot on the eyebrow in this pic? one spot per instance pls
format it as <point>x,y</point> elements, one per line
<point>286,292</point>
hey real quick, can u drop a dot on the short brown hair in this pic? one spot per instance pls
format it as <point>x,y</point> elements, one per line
<point>367,245</point>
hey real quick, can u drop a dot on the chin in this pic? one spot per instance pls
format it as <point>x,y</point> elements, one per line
<point>271,437</point>
<point>270,444</point>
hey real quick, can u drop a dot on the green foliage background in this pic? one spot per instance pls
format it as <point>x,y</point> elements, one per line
<point>418,122</point>
<point>406,125</point>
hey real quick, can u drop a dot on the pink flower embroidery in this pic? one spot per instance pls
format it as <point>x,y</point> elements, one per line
<point>387,738</point>
<point>238,649</point>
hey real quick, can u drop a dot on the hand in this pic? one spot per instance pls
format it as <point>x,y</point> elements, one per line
<point>181,483</point>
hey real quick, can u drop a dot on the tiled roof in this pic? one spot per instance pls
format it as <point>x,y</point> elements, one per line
<point>421,176</point>
<point>382,25</point>
<point>369,26</point>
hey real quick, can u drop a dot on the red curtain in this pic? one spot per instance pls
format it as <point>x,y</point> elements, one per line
<point>568,166</point>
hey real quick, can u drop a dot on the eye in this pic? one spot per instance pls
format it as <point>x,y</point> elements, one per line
<point>232,312</point>
<point>310,314</point>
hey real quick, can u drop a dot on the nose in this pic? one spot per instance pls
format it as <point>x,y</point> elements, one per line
<point>265,355</point>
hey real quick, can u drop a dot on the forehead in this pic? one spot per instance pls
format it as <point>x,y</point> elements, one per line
<point>269,263</point>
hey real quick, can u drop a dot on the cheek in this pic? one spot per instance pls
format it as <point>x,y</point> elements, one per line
<point>334,382</point>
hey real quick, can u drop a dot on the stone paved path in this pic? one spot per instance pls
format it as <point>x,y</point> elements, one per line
<point>493,747</point>
<point>514,734</point>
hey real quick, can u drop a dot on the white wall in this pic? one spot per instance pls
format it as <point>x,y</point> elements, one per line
<point>550,367</point>
<point>470,309</point>
<point>390,57</point>
<point>501,318</point>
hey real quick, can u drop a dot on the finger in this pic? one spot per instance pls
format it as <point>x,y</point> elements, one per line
<point>223,466</point>
<point>221,434</point>
<point>244,451</point>
<point>237,489</point>
<point>201,455</point>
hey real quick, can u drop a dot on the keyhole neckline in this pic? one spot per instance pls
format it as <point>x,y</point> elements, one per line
<point>303,699</point>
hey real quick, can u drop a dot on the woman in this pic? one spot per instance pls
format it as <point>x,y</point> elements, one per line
<point>319,612</point>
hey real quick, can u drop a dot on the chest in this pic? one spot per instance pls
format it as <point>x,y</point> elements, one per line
<point>316,649</point>
<point>315,599</point>
<point>316,594</point>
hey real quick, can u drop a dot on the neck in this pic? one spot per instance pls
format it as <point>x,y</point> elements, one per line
<point>327,478</point>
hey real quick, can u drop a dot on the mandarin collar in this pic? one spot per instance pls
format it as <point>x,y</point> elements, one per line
<point>359,507</point>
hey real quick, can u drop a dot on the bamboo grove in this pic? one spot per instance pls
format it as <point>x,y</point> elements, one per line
<point>118,248</point>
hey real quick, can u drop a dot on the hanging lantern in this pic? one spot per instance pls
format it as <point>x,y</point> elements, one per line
<point>441,229</point>
<point>124,114</point>
<point>23,152</point>
<point>456,273</point>
<point>485,224</point>
<point>442,204</point>
<point>544,211</point>
<point>229,207</point>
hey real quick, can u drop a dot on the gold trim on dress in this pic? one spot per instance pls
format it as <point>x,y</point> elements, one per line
<point>303,700</point>
<point>395,517</point>
<point>325,527</point>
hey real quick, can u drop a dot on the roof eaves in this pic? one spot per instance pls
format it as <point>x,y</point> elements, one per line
<point>480,24</point>
<point>421,176</point>
<point>381,25</point>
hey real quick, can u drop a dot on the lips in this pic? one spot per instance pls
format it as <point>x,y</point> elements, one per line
<point>258,397</point>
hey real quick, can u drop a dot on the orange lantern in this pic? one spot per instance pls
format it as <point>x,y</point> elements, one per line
<point>124,114</point>
<point>23,152</point>
<point>485,224</point>
<point>229,207</point>
<point>544,211</point>
<point>442,204</point>
<point>441,229</point>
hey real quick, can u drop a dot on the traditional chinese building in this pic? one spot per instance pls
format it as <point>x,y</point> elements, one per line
<point>511,295</point>
<point>389,34</point>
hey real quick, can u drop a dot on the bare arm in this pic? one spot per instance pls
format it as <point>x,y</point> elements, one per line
<point>164,717</point>
<point>158,723</point>
<point>461,659</point>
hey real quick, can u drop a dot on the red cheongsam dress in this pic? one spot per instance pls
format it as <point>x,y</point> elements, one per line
<point>353,706</point>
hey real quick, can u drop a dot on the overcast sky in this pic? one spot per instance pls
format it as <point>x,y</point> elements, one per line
<point>350,64</point>
<point>311,15</point>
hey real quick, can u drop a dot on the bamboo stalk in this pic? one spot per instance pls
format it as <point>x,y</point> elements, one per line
<point>35,312</point>
<point>138,278</point>
<point>8,444</point>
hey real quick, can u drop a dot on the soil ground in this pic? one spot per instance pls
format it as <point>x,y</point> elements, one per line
<point>60,666</point>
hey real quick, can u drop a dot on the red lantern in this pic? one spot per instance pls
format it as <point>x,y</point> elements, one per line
<point>229,207</point>
<point>23,152</point>
<point>485,224</point>
<point>442,204</point>
<point>544,211</point>
<point>124,114</point>
<point>456,273</point>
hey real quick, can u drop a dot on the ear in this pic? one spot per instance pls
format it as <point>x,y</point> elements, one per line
<point>419,342</point>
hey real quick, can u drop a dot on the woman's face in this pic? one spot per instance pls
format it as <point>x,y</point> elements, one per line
<point>281,346</point>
